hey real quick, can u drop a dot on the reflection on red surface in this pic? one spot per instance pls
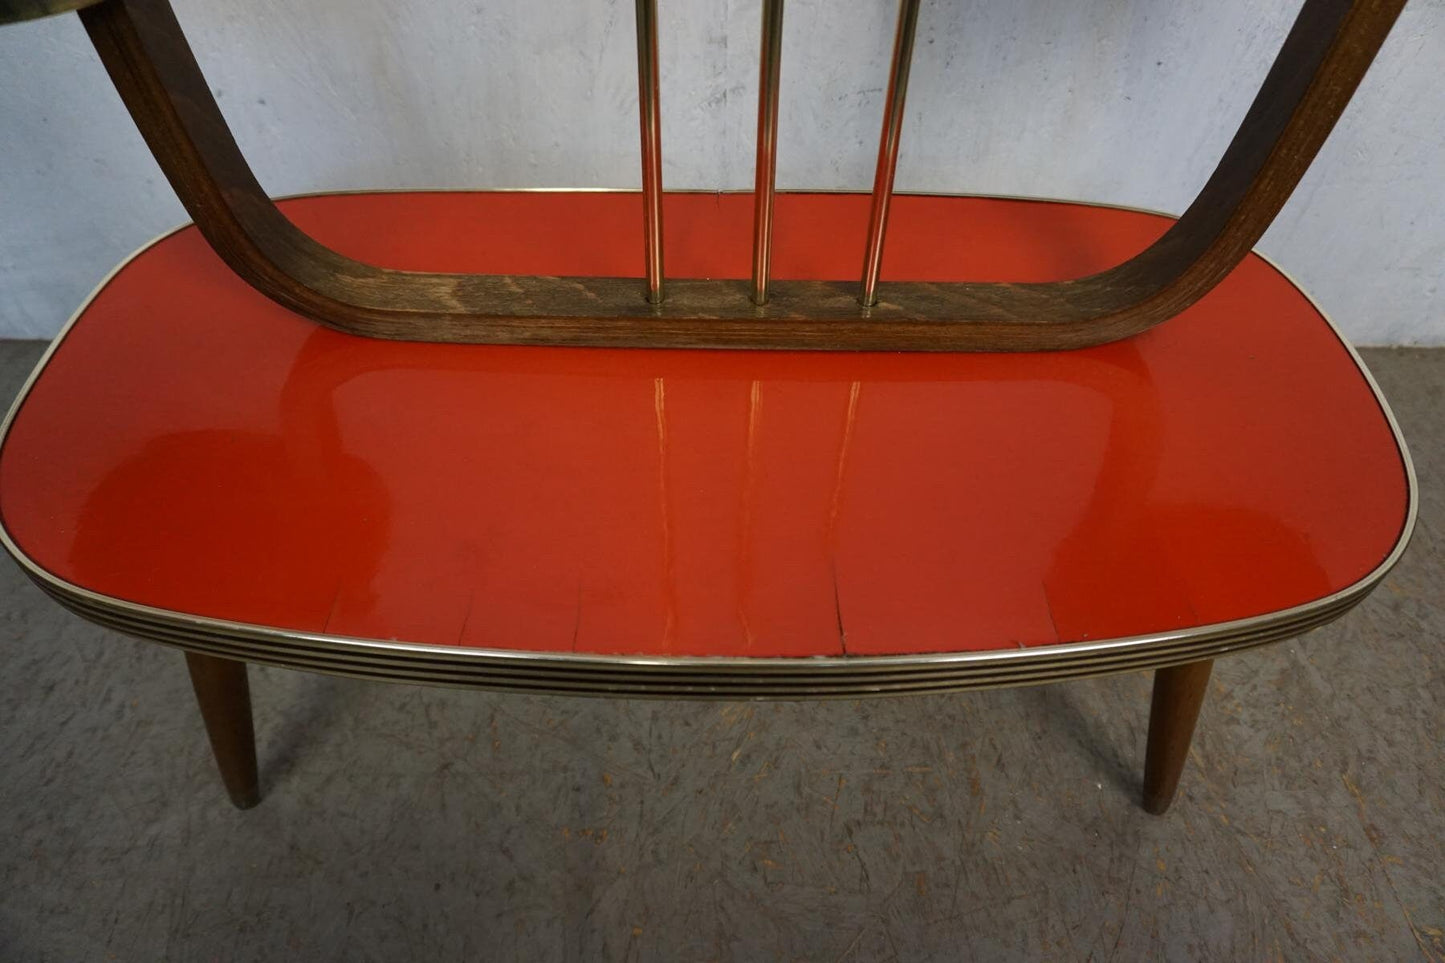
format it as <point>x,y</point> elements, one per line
<point>194,447</point>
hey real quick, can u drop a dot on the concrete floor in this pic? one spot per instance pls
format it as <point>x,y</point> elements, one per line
<point>406,823</point>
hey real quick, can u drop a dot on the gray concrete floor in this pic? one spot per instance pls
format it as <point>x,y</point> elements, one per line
<point>406,823</point>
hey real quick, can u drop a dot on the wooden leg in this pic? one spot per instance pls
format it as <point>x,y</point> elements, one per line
<point>1178,694</point>
<point>224,696</point>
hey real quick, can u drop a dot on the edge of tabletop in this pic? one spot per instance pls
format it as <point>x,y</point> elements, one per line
<point>368,657</point>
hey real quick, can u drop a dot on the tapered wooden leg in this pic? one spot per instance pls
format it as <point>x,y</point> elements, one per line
<point>224,696</point>
<point>1178,694</point>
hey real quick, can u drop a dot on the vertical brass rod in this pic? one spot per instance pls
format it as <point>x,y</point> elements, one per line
<point>770,70</point>
<point>650,115</point>
<point>888,149</point>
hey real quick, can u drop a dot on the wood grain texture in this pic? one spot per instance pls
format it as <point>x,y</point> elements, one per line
<point>1321,62</point>
<point>224,696</point>
<point>1174,709</point>
<point>13,11</point>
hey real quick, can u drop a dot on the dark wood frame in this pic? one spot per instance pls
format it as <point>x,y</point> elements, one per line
<point>1318,68</point>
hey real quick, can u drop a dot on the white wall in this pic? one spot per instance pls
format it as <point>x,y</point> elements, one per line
<point>1125,101</point>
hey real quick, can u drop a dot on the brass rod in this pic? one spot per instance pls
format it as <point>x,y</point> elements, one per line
<point>650,116</point>
<point>770,70</point>
<point>888,149</point>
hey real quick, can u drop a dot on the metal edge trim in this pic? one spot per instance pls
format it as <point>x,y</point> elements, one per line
<point>1171,647</point>
<point>743,686</point>
<point>781,670</point>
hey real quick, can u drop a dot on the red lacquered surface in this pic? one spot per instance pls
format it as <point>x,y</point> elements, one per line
<point>191,446</point>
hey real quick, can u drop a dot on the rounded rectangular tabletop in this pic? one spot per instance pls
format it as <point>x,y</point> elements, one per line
<point>193,454</point>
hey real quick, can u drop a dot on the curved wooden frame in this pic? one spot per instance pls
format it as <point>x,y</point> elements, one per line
<point>1318,68</point>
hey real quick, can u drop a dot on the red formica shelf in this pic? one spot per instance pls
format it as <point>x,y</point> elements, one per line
<point>192,446</point>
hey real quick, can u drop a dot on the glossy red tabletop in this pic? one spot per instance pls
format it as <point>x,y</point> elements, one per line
<point>192,446</point>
